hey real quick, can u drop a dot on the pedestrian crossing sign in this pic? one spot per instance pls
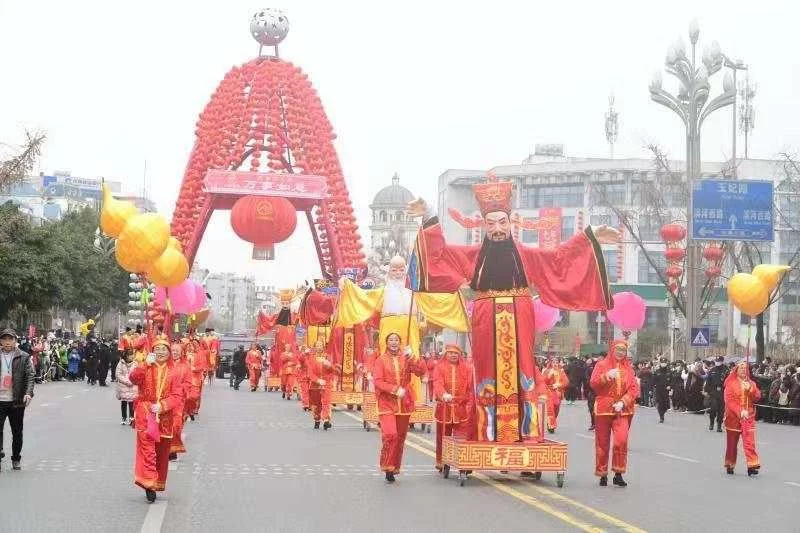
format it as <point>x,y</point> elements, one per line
<point>701,337</point>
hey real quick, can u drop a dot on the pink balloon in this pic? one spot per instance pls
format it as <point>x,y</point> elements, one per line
<point>629,311</point>
<point>161,296</point>
<point>182,297</point>
<point>545,317</point>
<point>199,297</point>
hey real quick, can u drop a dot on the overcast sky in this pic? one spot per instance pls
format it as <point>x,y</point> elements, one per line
<point>410,87</point>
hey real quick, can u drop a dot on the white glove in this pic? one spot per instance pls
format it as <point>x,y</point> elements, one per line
<point>618,406</point>
<point>400,392</point>
<point>744,413</point>
<point>156,408</point>
<point>370,378</point>
<point>447,397</point>
<point>321,382</point>
<point>612,374</point>
<point>408,352</point>
<point>150,359</point>
<point>326,362</point>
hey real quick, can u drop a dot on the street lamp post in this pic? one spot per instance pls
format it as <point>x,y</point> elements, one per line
<point>692,105</point>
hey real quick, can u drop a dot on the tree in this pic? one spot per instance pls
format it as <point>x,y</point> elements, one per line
<point>652,207</point>
<point>16,162</point>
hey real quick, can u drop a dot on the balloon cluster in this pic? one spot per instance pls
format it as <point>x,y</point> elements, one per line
<point>750,292</point>
<point>265,115</point>
<point>143,243</point>
<point>141,306</point>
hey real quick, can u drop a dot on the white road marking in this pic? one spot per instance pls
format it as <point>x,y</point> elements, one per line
<point>678,457</point>
<point>793,484</point>
<point>583,436</point>
<point>155,517</point>
<point>44,404</point>
<point>68,396</point>
<point>172,467</point>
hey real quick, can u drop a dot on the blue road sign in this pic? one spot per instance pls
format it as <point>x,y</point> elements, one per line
<point>727,210</point>
<point>701,337</point>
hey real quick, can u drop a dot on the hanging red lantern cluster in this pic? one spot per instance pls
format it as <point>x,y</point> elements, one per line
<point>266,117</point>
<point>263,220</point>
<point>714,254</point>
<point>673,235</point>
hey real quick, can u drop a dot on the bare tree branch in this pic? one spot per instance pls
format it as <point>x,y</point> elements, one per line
<point>16,167</point>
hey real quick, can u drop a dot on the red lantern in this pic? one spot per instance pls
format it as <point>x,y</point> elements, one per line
<point>673,232</point>
<point>713,253</point>
<point>674,254</point>
<point>673,271</point>
<point>713,272</point>
<point>263,220</point>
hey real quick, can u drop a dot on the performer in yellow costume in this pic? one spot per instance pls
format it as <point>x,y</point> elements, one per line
<point>399,308</point>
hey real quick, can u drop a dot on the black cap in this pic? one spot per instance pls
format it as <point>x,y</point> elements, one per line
<point>8,332</point>
<point>719,359</point>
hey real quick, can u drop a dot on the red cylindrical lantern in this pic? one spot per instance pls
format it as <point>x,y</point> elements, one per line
<point>713,272</point>
<point>674,254</point>
<point>673,271</point>
<point>673,232</point>
<point>713,253</point>
<point>263,220</point>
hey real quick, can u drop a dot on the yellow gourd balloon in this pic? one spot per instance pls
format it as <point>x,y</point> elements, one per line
<point>748,293</point>
<point>170,269</point>
<point>126,259</point>
<point>176,244</point>
<point>143,240</point>
<point>115,213</point>
<point>770,275</point>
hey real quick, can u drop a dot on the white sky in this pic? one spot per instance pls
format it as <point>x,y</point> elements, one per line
<point>413,87</point>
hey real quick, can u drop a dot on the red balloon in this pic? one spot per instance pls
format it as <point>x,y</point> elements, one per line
<point>263,220</point>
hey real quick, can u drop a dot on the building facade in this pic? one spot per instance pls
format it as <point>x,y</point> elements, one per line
<point>392,232</point>
<point>574,192</point>
<point>233,304</point>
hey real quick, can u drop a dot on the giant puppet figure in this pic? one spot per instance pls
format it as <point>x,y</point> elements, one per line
<point>346,345</point>
<point>399,309</point>
<point>502,272</point>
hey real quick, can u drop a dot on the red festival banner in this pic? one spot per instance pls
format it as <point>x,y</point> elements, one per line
<point>550,235</point>
<point>266,184</point>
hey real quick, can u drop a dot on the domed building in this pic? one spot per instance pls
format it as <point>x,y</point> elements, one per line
<point>392,231</point>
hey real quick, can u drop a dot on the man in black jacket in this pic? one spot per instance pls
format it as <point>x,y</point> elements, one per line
<point>238,367</point>
<point>16,391</point>
<point>92,357</point>
<point>712,390</point>
<point>103,362</point>
<point>662,380</point>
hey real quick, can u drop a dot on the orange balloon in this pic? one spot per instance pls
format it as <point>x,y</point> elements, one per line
<point>748,294</point>
<point>142,241</point>
<point>115,213</point>
<point>170,269</point>
<point>126,260</point>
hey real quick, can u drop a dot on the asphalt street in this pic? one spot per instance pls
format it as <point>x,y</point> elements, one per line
<point>255,463</point>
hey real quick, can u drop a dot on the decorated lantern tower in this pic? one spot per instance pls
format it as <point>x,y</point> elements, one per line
<point>264,150</point>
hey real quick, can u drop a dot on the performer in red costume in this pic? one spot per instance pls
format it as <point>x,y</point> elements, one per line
<point>392,377</point>
<point>320,374</point>
<point>614,382</point>
<point>557,382</point>
<point>159,398</point>
<point>274,355</point>
<point>454,391</point>
<point>253,363</point>
<point>571,276</point>
<point>183,370</point>
<point>430,363</point>
<point>741,395</point>
<point>303,378</point>
<point>289,362</point>
<point>190,348</point>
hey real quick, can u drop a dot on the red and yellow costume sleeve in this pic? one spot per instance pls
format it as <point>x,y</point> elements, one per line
<point>253,359</point>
